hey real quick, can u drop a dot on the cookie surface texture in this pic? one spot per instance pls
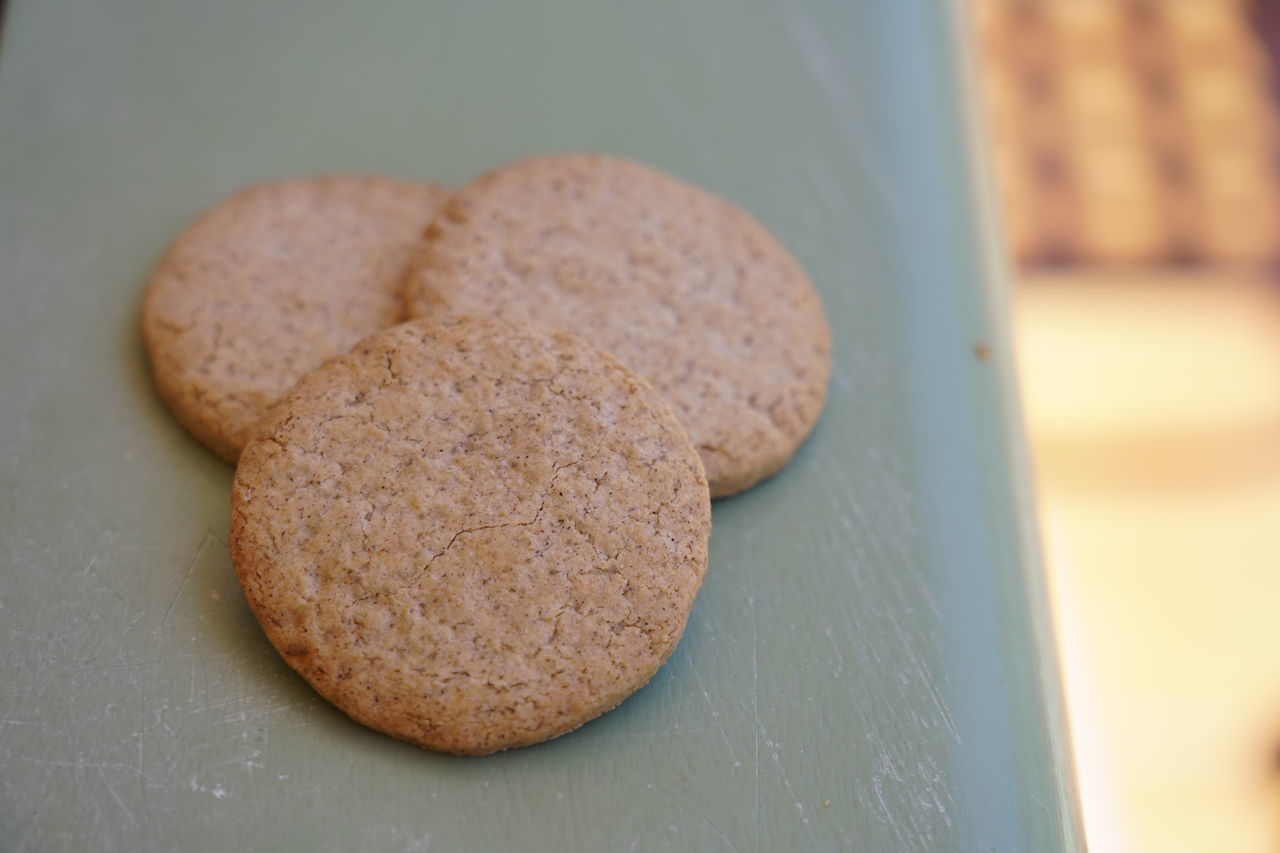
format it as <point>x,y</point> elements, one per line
<point>471,536</point>
<point>268,284</point>
<point>683,287</point>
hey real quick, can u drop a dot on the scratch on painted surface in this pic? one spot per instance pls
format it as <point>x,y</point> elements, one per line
<point>191,567</point>
<point>124,808</point>
<point>831,77</point>
<point>708,32</point>
<point>77,764</point>
<point>715,715</point>
<point>253,714</point>
<point>896,597</point>
<point>410,842</point>
<point>774,753</point>
<point>726,839</point>
<point>755,706</point>
<point>92,568</point>
<point>218,791</point>
<point>909,789</point>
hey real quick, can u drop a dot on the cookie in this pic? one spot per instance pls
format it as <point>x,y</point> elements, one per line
<point>683,287</point>
<point>471,536</point>
<point>269,284</point>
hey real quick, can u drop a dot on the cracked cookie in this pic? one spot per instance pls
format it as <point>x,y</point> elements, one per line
<point>270,283</point>
<point>683,287</point>
<point>471,535</point>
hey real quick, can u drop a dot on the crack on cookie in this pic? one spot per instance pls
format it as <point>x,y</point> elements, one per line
<point>715,448</point>
<point>537,516</point>
<point>391,371</point>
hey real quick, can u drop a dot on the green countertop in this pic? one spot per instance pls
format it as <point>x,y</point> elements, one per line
<point>868,666</point>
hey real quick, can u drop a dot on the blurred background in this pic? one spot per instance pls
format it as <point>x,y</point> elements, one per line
<point>1135,145</point>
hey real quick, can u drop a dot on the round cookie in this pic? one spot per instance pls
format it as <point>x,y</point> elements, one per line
<point>471,536</point>
<point>683,287</point>
<point>270,283</point>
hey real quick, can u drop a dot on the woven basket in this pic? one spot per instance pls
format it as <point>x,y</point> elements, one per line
<point>1131,131</point>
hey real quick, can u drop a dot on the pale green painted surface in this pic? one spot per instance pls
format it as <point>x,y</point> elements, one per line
<point>871,631</point>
